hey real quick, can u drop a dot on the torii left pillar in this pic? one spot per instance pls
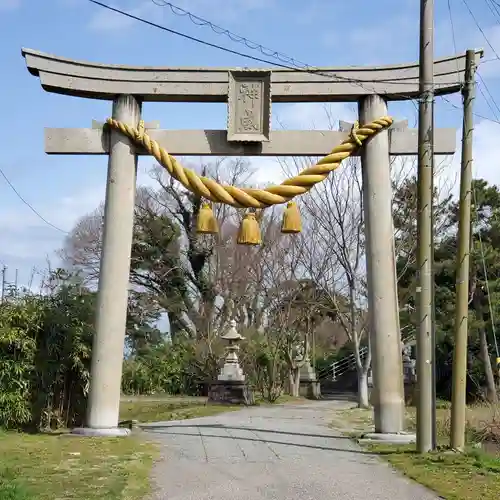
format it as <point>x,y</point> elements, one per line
<point>109,339</point>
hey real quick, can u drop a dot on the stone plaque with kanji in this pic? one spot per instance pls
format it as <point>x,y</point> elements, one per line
<point>249,106</point>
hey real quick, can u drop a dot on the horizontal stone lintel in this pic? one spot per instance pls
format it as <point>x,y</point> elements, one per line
<point>88,141</point>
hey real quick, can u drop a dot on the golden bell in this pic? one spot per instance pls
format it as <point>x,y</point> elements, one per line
<point>206,222</point>
<point>249,232</point>
<point>291,219</point>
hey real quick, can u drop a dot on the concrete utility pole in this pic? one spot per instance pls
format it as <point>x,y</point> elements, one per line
<point>425,284</point>
<point>462,286</point>
<point>4,274</point>
<point>433,306</point>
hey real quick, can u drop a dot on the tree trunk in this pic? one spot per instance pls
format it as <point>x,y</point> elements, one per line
<point>363,397</point>
<point>290,382</point>
<point>294,381</point>
<point>491,392</point>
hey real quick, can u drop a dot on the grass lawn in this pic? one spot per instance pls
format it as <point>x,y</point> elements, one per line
<point>49,467</point>
<point>468,476</point>
<point>159,407</point>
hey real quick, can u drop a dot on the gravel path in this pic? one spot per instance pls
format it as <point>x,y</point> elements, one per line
<point>284,452</point>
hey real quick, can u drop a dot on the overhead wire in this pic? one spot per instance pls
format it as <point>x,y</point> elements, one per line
<point>496,5</point>
<point>493,8</point>
<point>474,190</point>
<point>452,25</point>
<point>485,272</point>
<point>273,53</point>
<point>495,109</point>
<point>477,115</point>
<point>285,58</point>
<point>219,30</point>
<point>285,61</point>
<point>254,46</point>
<point>476,22</point>
<point>18,194</point>
<point>492,5</point>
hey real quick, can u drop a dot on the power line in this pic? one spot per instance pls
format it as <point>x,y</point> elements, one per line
<point>192,38</point>
<point>496,5</point>
<point>41,217</point>
<point>276,54</point>
<point>219,30</point>
<point>453,32</point>
<point>493,8</point>
<point>453,36</point>
<point>474,191</point>
<point>271,53</point>
<point>480,29</point>
<point>493,105</point>
<point>477,115</point>
<point>257,46</point>
<point>483,84</point>
<point>485,272</point>
<point>183,35</point>
<point>492,109</point>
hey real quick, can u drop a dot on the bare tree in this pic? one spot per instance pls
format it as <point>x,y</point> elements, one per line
<point>215,279</point>
<point>334,257</point>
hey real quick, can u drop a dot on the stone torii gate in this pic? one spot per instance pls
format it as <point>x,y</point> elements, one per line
<point>249,133</point>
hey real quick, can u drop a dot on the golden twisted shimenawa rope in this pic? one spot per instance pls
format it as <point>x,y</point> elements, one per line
<point>248,197</point>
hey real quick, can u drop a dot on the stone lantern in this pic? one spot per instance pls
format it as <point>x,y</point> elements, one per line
<point>230,387</point>
<point>231,371</point>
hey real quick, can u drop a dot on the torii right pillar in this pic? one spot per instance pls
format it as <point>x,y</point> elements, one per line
<point>388,390</point>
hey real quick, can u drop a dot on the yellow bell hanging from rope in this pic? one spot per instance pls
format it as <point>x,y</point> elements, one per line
<point>249,232</point>
<point>291,219</point>
<point>206,222</point>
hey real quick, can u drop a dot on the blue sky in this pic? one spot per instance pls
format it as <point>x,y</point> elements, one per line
<point>318,32</point>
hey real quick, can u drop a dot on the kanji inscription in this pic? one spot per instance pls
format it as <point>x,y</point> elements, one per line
<point>249,106</point>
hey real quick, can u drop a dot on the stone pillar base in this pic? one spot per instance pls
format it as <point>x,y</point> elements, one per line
<point>310,389</point>
<point>92,432</point>
<point>396,438</point>
<point>229,392</point>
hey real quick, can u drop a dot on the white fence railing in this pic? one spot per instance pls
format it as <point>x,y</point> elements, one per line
<point>342,366</point>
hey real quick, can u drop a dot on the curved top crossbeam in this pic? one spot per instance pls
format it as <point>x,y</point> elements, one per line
<point>105,81</point>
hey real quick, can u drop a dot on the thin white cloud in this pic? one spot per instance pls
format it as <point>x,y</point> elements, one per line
<point>27,238</point>
<point>485,150</point>
<point>315,116</point>
<point>9,4</point>
<point>366,41</point>
<point>105,20</point>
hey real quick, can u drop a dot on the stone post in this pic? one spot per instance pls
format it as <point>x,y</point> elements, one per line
<point>108,344</point>
<point>383,308</point>
<point>309,385</point>
<point>231,371</point>
<point>230,387</point>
